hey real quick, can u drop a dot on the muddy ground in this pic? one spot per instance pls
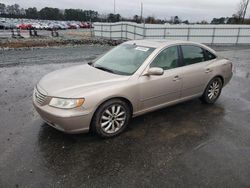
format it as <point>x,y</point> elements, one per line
<point>187,145</point>
<point>44,39</point>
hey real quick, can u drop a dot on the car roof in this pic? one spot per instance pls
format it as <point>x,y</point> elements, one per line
<point>160,43</point>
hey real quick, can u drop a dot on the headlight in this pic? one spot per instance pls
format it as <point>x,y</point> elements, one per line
<point>66,103</point>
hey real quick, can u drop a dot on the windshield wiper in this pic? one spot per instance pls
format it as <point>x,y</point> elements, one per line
<point>104,69</point>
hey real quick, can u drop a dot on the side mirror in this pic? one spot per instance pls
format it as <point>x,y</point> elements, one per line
<point>154,71</point>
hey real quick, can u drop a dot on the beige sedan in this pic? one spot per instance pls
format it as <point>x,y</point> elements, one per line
<point>133,78</point>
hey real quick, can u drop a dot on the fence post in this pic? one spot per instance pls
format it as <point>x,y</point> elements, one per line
<point>188,34</point>
<point>213,35</point>
<point>110,31</point>
<point>91,32</point>
<point>12,33</point>
<point>238,36</point>
<point>101,29</point>
<point>165,32</point>
<point>134,31</point>
<point>126,31</point>
<point>122,31</point>
<point>144,31</point>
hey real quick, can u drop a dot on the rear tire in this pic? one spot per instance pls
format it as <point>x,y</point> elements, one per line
<point>111,118</point>
<point>212,91</point>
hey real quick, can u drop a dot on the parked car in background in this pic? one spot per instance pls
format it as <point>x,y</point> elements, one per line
<point>86,25</point>
<point>3,25</point>
<point>132,79</point>
<point>81,25</point>
<point>56,26</point>
<point>24,26</point>
<point>36,26</point>
<point>73,26</point>
<point>89,25</point>
<point>7,25</point>
<point>44,26</point>
<point>64,25</point>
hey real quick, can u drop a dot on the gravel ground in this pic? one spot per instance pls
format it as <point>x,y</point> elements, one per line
<point>187,145</point>
<point>53,55</point>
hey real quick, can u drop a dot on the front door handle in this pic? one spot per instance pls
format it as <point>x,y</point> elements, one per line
<point>176,78</point>
<point>208,70</point>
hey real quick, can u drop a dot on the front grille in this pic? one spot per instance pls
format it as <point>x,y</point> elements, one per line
<point>39,97</point>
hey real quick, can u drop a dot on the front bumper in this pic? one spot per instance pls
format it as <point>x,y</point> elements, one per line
<point>69,121</point>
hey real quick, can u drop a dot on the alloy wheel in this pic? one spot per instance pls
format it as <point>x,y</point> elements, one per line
<point>214,90</point>
<point>113,118</point>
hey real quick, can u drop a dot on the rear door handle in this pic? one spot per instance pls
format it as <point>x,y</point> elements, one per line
<point>208,70</point>
<point>176,78</point>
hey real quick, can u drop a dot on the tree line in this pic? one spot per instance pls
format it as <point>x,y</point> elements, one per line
<point>239,17</point>
<point>49,13</point>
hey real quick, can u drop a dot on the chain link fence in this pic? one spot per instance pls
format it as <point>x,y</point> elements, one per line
<point>207,34</point>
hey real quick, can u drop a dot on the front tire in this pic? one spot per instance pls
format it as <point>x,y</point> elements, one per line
<point>111,118</point>
<point>212,91</point>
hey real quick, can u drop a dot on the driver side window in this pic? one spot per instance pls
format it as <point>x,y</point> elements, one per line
<point>166,59</point>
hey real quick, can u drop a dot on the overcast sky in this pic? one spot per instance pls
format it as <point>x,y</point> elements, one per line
<point>193,10</point>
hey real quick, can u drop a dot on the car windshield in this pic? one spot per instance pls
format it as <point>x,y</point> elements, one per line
<point>124,59</point>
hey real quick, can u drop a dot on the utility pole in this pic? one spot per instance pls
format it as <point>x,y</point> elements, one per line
<point>141,11</point>
<point>114,6</point>
<point>246,2</point>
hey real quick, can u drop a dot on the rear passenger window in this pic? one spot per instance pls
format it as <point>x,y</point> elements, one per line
<point>209,55</point>
<point>192,54</point>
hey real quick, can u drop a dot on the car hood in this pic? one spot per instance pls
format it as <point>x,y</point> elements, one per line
<point>75,81</point>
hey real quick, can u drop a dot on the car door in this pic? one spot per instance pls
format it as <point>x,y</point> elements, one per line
<point>195,71</point>
<point>157,90</point>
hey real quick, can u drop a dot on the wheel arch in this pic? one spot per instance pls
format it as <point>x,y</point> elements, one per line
<point>203,98</point>
<point>219,76</point>
<point>216,76</point>
<point>127,101</point>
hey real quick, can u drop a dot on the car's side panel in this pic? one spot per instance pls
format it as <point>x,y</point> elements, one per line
<point>221,68</point>
<point>195,78</point>
<point>156,90</point>
<point>163,105</point>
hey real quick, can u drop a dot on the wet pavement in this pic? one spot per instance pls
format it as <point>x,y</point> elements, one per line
<point>187,145</point>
